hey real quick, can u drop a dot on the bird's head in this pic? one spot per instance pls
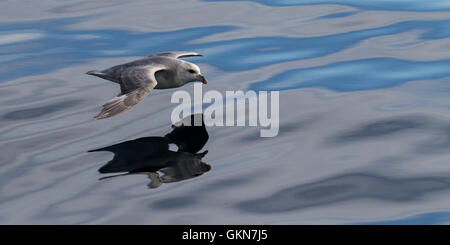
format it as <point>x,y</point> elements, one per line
<point>191,73</point>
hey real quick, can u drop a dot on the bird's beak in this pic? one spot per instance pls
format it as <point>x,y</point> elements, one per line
<point>203,79</point>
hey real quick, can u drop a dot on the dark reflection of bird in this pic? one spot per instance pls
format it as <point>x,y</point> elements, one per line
<point>139,77</point>
<point>151,155</point>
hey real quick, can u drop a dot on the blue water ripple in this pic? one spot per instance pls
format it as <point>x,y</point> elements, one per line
<point>58,48</point>
<point>339,15</point>
<point>258,52</point>
<point>375,73</point>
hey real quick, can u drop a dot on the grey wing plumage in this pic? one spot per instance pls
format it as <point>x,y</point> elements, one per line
<point>176,55</point>
<point>136,84</point>
<point>122,103</point>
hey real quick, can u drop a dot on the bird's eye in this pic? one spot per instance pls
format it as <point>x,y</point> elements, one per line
<point>191,71</point>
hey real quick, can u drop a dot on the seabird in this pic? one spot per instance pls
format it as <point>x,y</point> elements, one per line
<point>139,77</point>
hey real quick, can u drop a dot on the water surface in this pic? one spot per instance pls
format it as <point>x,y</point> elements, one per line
<point>364,112</point>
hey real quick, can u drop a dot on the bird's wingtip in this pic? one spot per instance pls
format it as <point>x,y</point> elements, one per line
<point>100,116</point>
<point>94,73</point>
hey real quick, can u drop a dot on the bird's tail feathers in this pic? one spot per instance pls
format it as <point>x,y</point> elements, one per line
<point>101,75</point>
<point>113,176</point>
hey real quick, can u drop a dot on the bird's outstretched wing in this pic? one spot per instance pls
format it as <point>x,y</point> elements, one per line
<point>122,103</point>
<point>136,83</point>
<point>176,55</point>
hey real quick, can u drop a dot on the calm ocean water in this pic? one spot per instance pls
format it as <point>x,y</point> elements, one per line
<point>364,112</point>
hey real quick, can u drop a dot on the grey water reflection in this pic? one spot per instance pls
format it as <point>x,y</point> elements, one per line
<point>151,155</point>
<point>380,128</point>
<point>357,186</point>
<point>437,131</point>
<point>34,112</point>
<point>346,187</point>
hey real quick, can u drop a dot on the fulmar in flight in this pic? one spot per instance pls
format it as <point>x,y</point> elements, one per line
<point>139,77</point>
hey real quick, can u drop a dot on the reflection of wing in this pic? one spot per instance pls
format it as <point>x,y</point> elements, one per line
<point>176,55</point>
<point>155,180</point>
<point>189,138</point>
<point>145,154</point>
<point>136,83</point>
<point>185,166</point>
